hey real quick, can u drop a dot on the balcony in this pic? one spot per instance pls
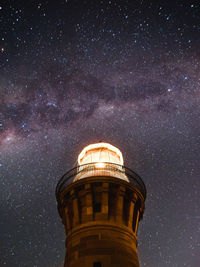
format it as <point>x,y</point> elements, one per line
<point>100,169</point>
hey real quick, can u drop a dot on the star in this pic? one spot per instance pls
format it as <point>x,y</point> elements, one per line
<point>73,74</point>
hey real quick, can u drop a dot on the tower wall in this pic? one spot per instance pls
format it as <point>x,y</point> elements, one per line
<point>101,216</point>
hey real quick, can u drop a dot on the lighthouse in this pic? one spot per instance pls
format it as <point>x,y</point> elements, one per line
<point>101,202</point>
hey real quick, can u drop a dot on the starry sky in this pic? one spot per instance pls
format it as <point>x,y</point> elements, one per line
<point>77,72</point>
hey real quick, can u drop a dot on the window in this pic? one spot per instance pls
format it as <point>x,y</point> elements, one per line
<point>97,208</point>
<point>135,215</point>
<point>97,264</point>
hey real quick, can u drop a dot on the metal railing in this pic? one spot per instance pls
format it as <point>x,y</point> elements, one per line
<point>93,169</point>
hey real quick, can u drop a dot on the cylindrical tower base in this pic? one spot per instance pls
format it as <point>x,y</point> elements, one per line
<point>101,218</point>
<point>101,245</point>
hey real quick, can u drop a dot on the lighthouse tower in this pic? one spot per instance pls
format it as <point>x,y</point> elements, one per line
<point>101,203</point>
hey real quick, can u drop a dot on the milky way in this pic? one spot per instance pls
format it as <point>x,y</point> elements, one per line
<point>77,72</point>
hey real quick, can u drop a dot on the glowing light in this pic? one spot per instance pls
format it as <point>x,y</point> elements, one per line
<point>100,159</point>
<point>100,165</point>
<point>100,152</point>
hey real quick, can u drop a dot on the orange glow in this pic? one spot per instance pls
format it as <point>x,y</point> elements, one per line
<point>100,152</point>
<point>100,165</point>
<point>101,159</point>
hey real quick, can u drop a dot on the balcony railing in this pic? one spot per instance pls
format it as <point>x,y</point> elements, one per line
<point>95,169</point>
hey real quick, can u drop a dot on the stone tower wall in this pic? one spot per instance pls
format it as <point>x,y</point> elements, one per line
<point>101,216</point>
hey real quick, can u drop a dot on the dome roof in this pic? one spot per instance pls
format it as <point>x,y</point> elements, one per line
<point>100,152</point>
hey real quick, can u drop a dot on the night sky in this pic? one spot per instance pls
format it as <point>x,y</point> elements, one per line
<point>77,72</point>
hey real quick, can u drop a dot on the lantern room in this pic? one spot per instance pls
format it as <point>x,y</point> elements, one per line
<point>100,159</point>
<point>100,152</point>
